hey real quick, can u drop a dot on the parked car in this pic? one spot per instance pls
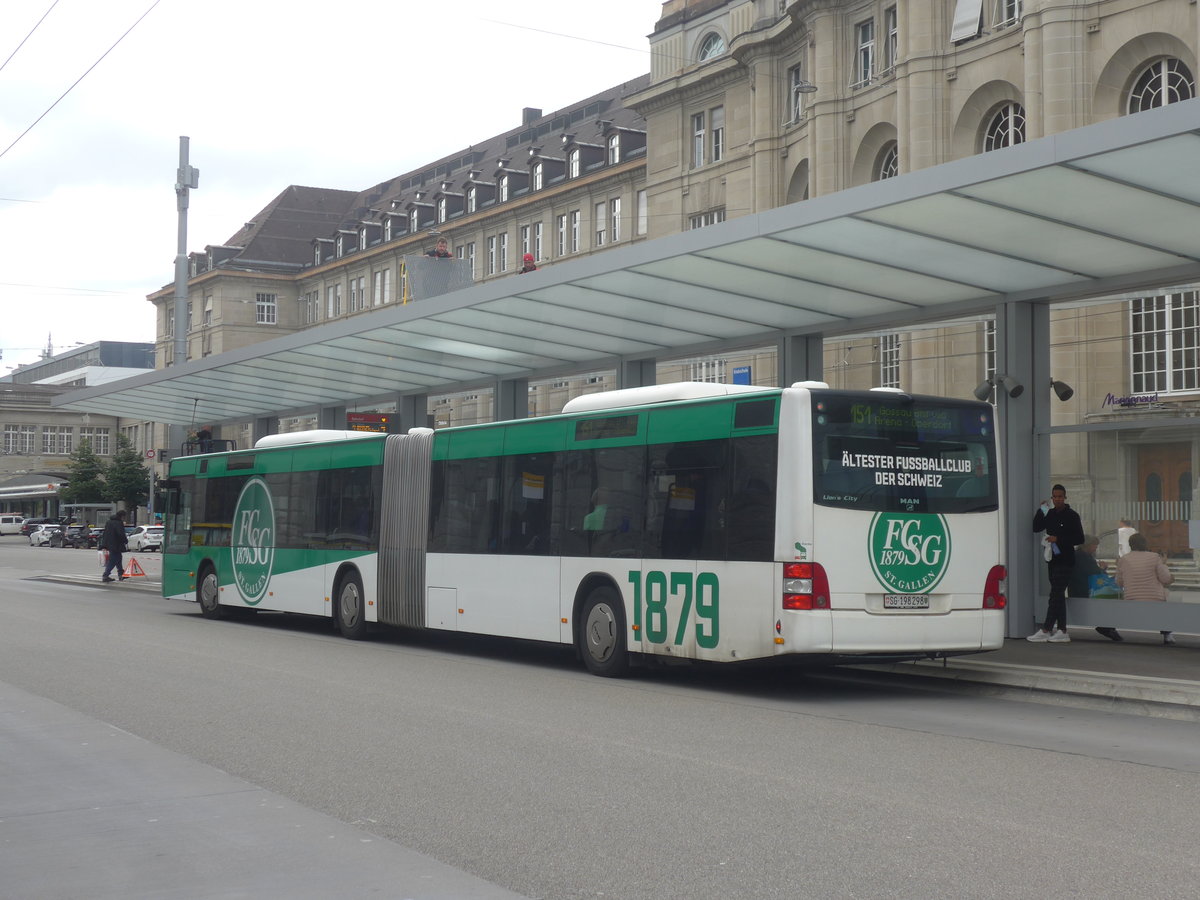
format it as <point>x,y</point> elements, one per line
<point>33,522</point>
<point>145,537</point>
<point>77,536</point>
<point>42,534</point>
<point>10,523</point>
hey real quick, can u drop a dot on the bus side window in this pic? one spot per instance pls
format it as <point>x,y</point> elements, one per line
<point>750,518</point>
<point>531,483</point>
<point>467,517</point>
<point>605,502</point>
<point>687,501</point>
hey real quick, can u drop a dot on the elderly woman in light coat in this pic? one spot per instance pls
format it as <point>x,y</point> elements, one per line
<point>1143,575</point>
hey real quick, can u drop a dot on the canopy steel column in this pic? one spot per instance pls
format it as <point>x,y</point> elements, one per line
<point>637,373</point>
<point>333,417</point>
<point>1023,353</point>
<point>262,427</point>
<point>511,399</point>
<point>413,412</point>
<point>801,358</point>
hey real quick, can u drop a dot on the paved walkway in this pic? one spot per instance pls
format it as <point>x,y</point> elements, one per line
<point>1138,675</point>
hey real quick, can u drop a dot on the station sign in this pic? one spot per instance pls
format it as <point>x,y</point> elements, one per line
<point>375,422</point>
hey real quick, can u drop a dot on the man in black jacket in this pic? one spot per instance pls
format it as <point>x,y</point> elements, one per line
<point>1064,531</point>
<point>115,542</point>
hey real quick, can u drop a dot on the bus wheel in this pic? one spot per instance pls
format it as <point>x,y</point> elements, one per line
<point>208,594</point>
<point>351,608</point>
<point>602,635</point>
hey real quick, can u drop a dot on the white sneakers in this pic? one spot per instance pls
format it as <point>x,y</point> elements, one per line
<point>1055,637</point>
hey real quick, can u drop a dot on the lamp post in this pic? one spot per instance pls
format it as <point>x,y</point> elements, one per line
<point>186,178</point>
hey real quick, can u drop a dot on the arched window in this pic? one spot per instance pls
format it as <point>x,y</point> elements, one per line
<point>441,209</point>
<point>1006,129</point>
<point>1163,81</point>
<point>538,170</point>
<point>712,46</point>
<point>573,164</point>
<point>888,165</point>
<point>502,188</point>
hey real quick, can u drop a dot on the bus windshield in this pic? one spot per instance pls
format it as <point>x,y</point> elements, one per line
<point>888,452</point>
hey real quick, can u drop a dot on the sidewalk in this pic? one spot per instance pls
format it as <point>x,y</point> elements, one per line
<point>89,810</point>
<point>1137,676</point>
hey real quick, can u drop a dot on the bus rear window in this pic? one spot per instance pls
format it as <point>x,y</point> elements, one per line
<point>902,454</point>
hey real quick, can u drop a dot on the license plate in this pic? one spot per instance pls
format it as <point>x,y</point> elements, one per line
<point>906,601</point>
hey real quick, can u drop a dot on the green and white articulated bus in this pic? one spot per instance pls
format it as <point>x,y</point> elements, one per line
<point>684,521</point>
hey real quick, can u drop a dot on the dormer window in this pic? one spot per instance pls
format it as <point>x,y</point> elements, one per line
<point>502,187</point>
<point>538,173</point>
<point>614,149</point>
<point>573,164</point>
<point>414,221</point>
<point>387,228</point>
<point>317,255</point>
<point>340,245</point>
<point>441,209</point>
<point>712,46</point>
<point>472,199</point>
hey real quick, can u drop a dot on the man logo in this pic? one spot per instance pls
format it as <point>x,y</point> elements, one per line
<point>253,540</point>
<point>909,551</point>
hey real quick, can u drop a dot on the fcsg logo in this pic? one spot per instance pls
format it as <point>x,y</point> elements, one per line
<point>909,551</point>
<point>253,543</point>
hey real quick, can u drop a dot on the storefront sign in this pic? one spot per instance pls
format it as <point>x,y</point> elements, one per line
<point>1130,400</point>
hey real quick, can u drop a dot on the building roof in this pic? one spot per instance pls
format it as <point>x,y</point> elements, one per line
<point>1111,207</point>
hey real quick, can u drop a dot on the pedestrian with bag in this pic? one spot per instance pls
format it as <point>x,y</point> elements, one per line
<point>115,542</point>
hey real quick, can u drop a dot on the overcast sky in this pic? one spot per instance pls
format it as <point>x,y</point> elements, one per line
<point>271,93</point>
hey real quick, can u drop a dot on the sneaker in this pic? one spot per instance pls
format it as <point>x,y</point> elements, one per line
<point>1111,633</point>
<point>1168,637</point>
<point>1039,635</point>
<point>1059,637</point>
<point>106,578</point>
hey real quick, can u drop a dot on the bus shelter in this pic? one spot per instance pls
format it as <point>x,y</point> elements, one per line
<point>1099,211</point>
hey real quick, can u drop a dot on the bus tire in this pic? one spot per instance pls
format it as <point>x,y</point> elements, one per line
<point>351,610</point>
<point>602,633</point>
<point>208,593</point>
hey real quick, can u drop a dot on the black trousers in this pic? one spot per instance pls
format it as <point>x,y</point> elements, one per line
<point>1056,611</point>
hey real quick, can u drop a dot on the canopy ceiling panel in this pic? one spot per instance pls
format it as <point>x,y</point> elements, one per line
<point>815,273</point>
<point>1111,207</point>
<point>1016,234</point>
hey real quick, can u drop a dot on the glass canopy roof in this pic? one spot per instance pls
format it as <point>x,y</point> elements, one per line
<point>1113,206</point>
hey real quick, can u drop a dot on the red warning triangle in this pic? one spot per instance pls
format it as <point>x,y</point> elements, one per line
<point>133,570</point>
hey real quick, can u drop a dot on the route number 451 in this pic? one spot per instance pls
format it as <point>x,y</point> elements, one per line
<point>683,591</point>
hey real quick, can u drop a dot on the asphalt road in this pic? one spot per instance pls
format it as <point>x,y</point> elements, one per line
<point>507,761</point>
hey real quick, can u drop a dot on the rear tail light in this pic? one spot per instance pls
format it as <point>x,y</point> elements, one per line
<point>995,589</point>
<point>805,586</point>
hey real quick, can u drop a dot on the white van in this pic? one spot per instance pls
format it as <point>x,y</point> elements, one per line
<point>10,523</point>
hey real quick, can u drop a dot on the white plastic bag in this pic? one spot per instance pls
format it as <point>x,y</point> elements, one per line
<point>103,555</point>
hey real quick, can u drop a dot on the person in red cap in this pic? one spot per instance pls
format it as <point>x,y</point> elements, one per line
<point>530,265</point>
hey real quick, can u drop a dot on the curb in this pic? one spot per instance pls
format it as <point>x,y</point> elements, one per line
<point>1162,697</point>
<point>137,583</point>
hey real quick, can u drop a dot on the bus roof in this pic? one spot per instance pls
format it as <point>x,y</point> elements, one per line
<point>658,393</point>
